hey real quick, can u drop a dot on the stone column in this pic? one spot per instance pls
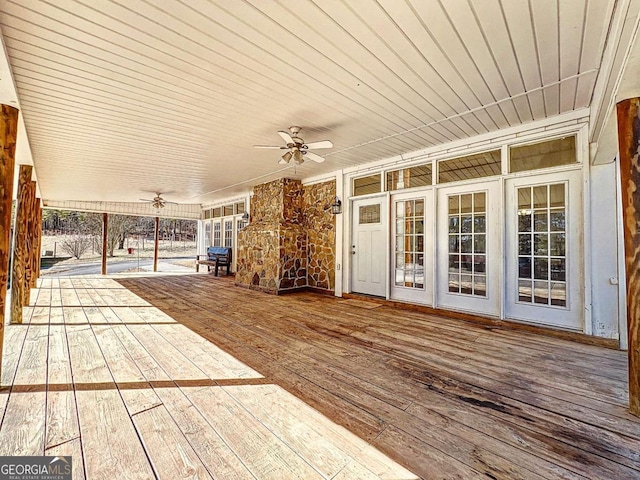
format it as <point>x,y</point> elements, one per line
<point>629,151</point>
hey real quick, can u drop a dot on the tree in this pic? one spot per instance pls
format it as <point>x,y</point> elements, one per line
<point>76,245</point>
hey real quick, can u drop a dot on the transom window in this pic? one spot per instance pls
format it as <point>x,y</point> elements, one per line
<point>468,243</point>
<point>542,245</point>
<point>552,153</point>
<point>480,165</point>
<point>366,185</point>
<point>409,250</point>
<point>419,176</point>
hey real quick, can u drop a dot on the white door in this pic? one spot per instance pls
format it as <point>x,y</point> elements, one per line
<point>544,275</point>
<point>412,247</point>
<point>469,252</point>
<point>369,246</point>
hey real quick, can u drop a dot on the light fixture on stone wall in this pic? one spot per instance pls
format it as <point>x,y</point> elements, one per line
<point>245,216</point>
<point>336,207</point>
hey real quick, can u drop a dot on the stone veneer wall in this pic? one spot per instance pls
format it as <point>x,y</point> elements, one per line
<point>290,241</point>
<point>321,234</point>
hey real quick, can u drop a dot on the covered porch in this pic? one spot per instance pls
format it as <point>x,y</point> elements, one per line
<point>193,377</point>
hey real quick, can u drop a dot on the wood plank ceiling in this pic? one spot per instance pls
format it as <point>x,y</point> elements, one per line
<point>121,97</point>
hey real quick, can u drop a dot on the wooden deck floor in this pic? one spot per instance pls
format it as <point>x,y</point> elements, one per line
<point>164,379</point>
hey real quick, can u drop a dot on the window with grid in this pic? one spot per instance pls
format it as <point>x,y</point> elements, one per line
<point>468,243</point>
<point>216,235</point>
<point>409,248</point>
<point>542,245</point>
<point>228,233</point>
<point>207,234</point>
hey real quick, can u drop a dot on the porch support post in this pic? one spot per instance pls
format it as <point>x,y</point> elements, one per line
<point>629,147</point>
<point>20,254</point>
<point>105,226</point>
<point>31,237</point>
<point>155,246</point>
<point>8,132</point>
<point>38,243</point>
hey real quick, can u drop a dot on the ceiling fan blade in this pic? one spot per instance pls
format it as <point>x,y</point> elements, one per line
<point>146,200</point>
<point>285,136</point>
<point>269,146</point>
<point>320,144</point>
<point>314,157</point>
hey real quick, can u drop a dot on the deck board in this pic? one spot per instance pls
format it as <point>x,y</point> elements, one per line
<point>163,380</point>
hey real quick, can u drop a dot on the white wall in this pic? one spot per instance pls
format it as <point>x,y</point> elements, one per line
<point>604,251</point>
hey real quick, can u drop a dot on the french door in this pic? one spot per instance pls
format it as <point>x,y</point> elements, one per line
<point>468,256</point>
<point>369,246</point>
<point>544,275</point>
<point>412,247</point>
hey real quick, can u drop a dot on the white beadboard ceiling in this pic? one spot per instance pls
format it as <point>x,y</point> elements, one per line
<point>125,97</point>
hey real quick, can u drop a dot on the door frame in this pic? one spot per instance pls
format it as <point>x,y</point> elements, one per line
<point>491,305</point>
<point>424,296</point>
<point>575,263</point>
<point>384,220</point>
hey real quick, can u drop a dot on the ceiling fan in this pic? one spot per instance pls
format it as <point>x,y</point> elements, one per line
<point>298,150</point>
<point>157,202</point>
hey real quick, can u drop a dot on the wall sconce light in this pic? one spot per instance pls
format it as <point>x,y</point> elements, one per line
<point>245,216</point>
<point>336,207</point>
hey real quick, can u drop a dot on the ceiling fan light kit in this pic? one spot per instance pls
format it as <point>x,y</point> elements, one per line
<point>158,202</point>
<point>298,150</point>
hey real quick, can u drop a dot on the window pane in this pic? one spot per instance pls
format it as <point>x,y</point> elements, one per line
<point>557,244</point>
<point>369,214</point>
<point>466,202</point>
<point>466,284</point>
<point>540,244</point>
<point>412,177</point>
<point>227,210</point>
<point>479,224</point>
<point>557,220</point>
<point>541,292</point>
<point>558,269</point>
<point>472,166</point>
<point>479,244</point>
<point>524,267</point>
<point>454,204</point>
<point>524,244</point>
<point>454,283</point>
<point>366,185</point>
<point>454,261</point>
<point>540,221</point>
<point>556,195</point>
<point>480,285</point>
<point>479,264</point>
<point>466,224</point>
<point>419,208</point>
<point>547,154</point>
<point>540,268</point>
<point>238,208</point>
<point>524,290</point>
<point>559,294</point>
<point>466,245</point>
<point>540,197</point>
<point>454,224</point>
<point>217,212</point>
<point>419,225</point>
<point>479,202</point>
<point>454,243</point>
<point>524,198</point>
<point>524,222</point>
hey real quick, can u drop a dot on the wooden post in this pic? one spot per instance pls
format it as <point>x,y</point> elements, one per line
<point>155,247</point>
<point>20,254</point>
<point>38,241</point>
<point>30,263</point>
<point>105,226</point>
<point>8,132</point>
<point>628,146</point>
